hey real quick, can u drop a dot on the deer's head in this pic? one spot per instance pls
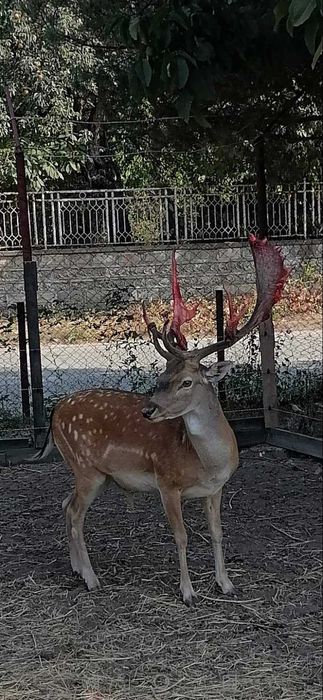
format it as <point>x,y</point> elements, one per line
<point>180,388</point>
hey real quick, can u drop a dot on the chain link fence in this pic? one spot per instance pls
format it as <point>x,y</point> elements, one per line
<point>93,334</point>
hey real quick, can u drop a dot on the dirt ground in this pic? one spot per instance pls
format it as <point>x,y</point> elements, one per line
<point>134,639</point>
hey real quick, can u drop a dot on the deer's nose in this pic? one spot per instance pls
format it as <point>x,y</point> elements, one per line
<point>149,410</point>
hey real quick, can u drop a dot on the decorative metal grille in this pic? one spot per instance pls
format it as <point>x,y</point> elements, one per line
<point>117,217</point>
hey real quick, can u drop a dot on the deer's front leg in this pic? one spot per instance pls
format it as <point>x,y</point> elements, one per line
<point>213,513</point>
<point>171,500</point>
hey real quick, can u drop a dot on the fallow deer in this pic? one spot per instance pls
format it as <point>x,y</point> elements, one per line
<point>186,450</point>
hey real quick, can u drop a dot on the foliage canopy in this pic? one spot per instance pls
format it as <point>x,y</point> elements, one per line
<point>186,89</point>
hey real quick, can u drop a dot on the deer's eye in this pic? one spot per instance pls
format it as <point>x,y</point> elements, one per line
<point>186,383</point>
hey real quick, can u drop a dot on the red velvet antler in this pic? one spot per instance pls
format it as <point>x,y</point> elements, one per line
<point>181,313</point>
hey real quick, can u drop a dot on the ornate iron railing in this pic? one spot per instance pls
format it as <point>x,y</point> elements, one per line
<point>165,215</point>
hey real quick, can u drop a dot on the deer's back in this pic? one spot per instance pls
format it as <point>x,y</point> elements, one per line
<point>105,430</point>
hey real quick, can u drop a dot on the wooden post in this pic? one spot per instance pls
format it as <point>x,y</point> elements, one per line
<point>30,282</point>
<point>266,330</point>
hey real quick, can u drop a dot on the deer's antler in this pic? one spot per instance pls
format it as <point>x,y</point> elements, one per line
<point>271,276</point>
<point>174,341</point>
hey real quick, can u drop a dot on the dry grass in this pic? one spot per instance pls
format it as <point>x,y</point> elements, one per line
<point>134,639</point>
<point>299,308</point>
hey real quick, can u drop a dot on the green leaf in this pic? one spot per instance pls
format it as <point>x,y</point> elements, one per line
<point>183,104</point>
<point>147,71</point>
<point>317,54</point>
<point>133,28</point>
<point>310,32</point>
<point>180,19</point>
<point>190,59</point>
<point>280,11</point>
<point>300,11</point>
<point>182,72</point>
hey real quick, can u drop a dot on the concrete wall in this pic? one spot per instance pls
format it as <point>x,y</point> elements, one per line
<point>103,278</point>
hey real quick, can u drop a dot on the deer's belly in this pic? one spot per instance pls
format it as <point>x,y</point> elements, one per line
<point>208,488</point>
<point>136,481</point>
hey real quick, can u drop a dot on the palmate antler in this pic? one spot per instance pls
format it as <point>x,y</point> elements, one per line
<point>271,276</point>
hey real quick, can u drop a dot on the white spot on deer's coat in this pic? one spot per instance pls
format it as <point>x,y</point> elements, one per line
<point>75,435</point>
<point>70,428</point>
<point>74,419</point>
<point>80,416</point>
<point>63,425</point>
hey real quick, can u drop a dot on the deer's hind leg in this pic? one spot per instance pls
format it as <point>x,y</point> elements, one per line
<point>87,487</point>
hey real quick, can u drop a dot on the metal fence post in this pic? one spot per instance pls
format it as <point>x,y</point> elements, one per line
<point>266,330</point>
<point>30,282</point>
<point>24,381</point>
<point>219,307</point>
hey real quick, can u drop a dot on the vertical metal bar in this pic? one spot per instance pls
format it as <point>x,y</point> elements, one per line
<point>244,216</point>
<point>289,214</point>
<point>166,213</point>
<point>319,203</point>
<point>208,214</point>
<point>161,218</point>
<point>176,216</point>
<point>107,223</point>
<point>60,222</point>
<point>219,310</point>
<point>238,213</point>
<point>185,216</point>
<point>34,217</point>
<point>52,205</point>
<point>191,215</point>
<point>313,211</point>
<point>114,229</point>
<point>43,211</point>
<point>304,210</point>
<point>30,279</point>
<point>22,342</point>
<point>295,211</point>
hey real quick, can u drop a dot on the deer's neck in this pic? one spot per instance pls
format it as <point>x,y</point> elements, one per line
<point>211,434</point>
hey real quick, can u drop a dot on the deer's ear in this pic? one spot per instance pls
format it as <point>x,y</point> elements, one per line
<point>217,371</point>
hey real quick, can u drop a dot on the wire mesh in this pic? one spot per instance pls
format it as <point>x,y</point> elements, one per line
<point>92,331</point>
<point>298,322</point>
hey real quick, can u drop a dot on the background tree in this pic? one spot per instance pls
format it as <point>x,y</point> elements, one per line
<point>186,87</point>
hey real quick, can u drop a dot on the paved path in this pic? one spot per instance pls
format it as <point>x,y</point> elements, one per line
<point>127,365</point>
